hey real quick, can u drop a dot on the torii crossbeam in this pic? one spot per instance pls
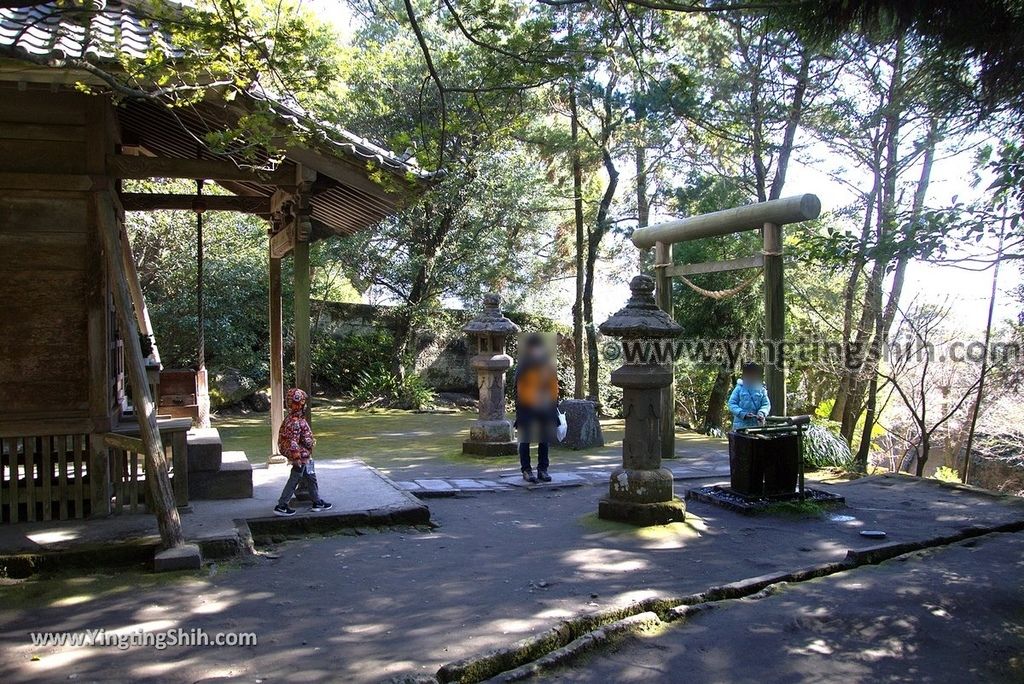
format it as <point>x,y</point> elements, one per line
<point>768,217</point>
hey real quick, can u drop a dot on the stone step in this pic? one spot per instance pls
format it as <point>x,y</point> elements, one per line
<point>205,450</point>
<point>232,481</point>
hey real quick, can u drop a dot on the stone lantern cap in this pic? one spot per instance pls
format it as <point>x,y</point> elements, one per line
<point>641,318</point>
<point>491,320</point>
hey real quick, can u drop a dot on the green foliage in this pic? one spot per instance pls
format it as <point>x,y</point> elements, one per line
<point>340,363</point>
<point>379,387</point>
<point>800,509</point>
<point>823,448</point>
<point>235,285</point>
<point>947,474</point>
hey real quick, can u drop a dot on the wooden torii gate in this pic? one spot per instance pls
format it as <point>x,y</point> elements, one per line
<point>768,217</point>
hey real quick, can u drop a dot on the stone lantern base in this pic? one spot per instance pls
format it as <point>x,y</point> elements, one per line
<point>642,514</point>
<point>641,497</point>
<point>490,438</point>
<point>490,448</point>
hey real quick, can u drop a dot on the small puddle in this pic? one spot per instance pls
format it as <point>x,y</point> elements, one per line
<point>837,518</point>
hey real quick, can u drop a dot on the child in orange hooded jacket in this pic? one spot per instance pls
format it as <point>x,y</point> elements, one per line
<point>295,441</point>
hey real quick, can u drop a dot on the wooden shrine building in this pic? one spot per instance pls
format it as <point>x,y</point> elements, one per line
<point>71,308</point>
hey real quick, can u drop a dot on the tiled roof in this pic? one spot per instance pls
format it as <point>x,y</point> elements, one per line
<point>100,31</point>
<point>51,31</point>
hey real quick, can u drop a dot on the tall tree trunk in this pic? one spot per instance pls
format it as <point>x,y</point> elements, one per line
<point>594,239</point>
<point>884,225</point>
<point>923,453</point>
<point>577,193</point>
<point>984,362</point>
<point>716,400</point>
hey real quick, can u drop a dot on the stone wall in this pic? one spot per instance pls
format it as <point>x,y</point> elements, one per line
<point>442,348</point>
<point>443,354</point>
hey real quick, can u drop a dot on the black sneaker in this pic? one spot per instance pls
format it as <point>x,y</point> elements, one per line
<point>543,476</point>
<point>321,505</point>
<point>528,476</point>
<point>283,510</point>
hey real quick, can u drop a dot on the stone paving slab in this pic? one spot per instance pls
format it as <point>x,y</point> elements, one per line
<point>558,481</point>
<point>572,478</point>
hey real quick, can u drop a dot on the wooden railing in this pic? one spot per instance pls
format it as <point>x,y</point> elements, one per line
<point>44,478</point>
<point>128,464</point>
<point>71,476</point>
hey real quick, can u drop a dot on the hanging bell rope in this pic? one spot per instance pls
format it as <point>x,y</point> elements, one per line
<point>722,294</point>
<point>199,208</point>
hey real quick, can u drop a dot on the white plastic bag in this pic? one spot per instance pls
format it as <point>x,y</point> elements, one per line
<point>563,427</point>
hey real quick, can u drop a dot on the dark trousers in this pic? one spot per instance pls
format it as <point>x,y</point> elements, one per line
<point>306,472</point>
<point>531,424</point>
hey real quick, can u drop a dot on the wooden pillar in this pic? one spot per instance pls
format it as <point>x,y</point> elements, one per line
<point>97,297</point>
<point>276,359</point>
<point>775,318</point>
<point>303,370</point>
<point>663,296</point>
<point>161,495</point>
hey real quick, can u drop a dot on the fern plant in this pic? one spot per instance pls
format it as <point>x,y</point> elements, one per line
<point>825,449</point>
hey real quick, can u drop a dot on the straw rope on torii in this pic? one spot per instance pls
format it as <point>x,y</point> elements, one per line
<point>768,217</point>
<point>719,295</point>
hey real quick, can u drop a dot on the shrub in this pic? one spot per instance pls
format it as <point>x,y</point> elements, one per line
<point>825,449</point>
<point>381,387</point>
<point>340,362</point>
<point>947,474</point>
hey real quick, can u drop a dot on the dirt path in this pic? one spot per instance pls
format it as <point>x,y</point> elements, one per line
<point>954,614</point>
<point>500,567</point>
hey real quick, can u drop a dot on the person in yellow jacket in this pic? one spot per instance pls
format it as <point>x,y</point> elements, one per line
<point>536,384</point>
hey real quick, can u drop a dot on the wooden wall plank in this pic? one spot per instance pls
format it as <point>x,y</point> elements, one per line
<point>42,131</point>
<point>5,486</point>
<point>15,496</point>
<point>31,454</point>
<point>62,478</point>
<point>48,213</point>
<point>48,445</point>
<point>43,107</point>
<point>42,156</point>
<point>79,454</point>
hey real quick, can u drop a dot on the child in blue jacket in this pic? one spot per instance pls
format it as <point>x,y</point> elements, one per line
<point>749,402</point>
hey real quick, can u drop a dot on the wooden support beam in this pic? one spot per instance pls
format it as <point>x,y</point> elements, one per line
<point>34,181</point>
<point>303,369</point>
<point>348,174</point>
<point>125,166</point>
<point>663,296</point>
<point>282,242</point>
<point>115,440</point>
<point>143,201</point>
<point>161,495</point>
<point>276,358</point>
<point>756,261</point>
<point>775,318</point>
<point>748,217</point>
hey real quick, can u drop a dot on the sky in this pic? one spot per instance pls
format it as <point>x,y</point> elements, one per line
<point>965,293</point>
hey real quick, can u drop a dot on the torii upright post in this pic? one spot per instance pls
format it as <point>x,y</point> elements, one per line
<point>774,317</point>
<point>769,217</point>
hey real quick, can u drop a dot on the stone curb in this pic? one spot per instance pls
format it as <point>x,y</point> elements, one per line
<point>573,636</point>
<point>120,554</point>
<point>264,528</point>
<point>641,622</point>
<point>141,550</point>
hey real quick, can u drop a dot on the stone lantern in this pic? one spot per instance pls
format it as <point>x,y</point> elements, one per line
<point>491,435</point>
<point>640,491</point>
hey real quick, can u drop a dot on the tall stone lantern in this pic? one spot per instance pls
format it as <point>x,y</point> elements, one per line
<point>491,435</point>
<point>640,491</point>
